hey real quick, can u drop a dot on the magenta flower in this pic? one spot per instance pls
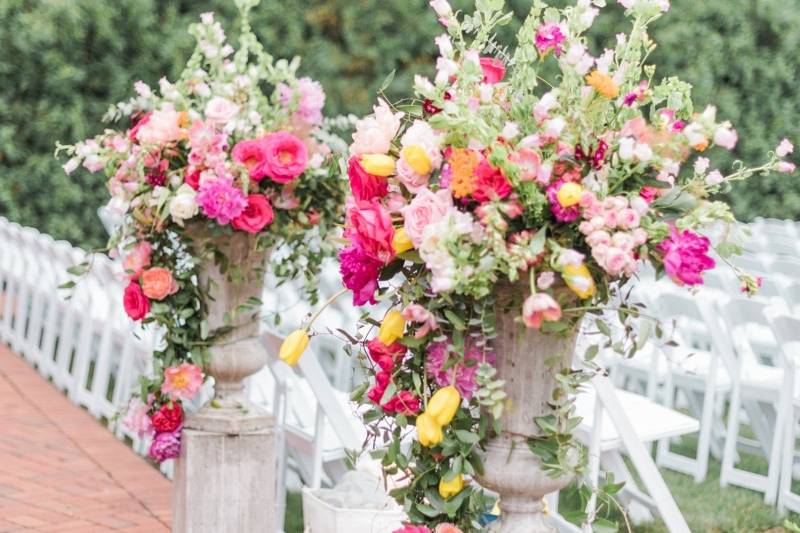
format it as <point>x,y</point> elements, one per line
<point>359,274</point>
<point>686,256</point>
<point>221,200</point>
<point>166,445</point>
<point>461,375</point>
<point>562,214</point>
<point>549,37</point>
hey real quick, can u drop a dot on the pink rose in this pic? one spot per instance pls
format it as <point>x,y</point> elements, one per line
<point>359,274</point>
<point>425,209</point>
<point>404,402</point>
<point>395,202</point>
<point>256,216</point>
<point>220,110</point>
<point>615,261</point>
<point>137,259</point>
<point>364,185</point>
<point>385,356</point>
<point>596,238</point>
<point>158,283</point>
<point>286,157</point>
<point>135,302</point>
<point>162,127</point>
<point>629,218</point>
<point>370,228</point>
<point>413,181</point>
<point>252,153</point>
<point>493,70</point>
<point>410,528</point>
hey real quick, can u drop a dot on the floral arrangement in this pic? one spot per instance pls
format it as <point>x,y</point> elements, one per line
<point>212,154</point>
<point>562,187</point>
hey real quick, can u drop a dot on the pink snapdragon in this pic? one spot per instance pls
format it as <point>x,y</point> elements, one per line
<point>549,36</point>
<point>686,256</point>
<point>309,97</point>
<point>220,111</point>
<point>417,314</point>
<point>221,200</point>
<point>461,375</point>
<point>207,145</point>
<point>726,137</point>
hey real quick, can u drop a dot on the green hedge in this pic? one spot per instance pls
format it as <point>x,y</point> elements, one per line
<point>62,63</point>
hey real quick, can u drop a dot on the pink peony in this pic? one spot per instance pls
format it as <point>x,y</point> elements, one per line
<point>359,274</point>
<point>166,446</point>
<point>182,381</point>
<point>286,157</point>
<point>411,528</point>
<point>251,153</point>
<point>136,418</point>
<point>490,183</point>
<point>308,96</point>
<point>562,214</point>
<point>221,200</point>
<point>256,216</point>
<point>425,209</point>
<point>686,256</point>
<point>439,355</point>
<point>364,185</point>
<point>549,37</point>
<point>137,259</point>
<point>538,308</point>
<point>369,226</point>
<point>493,70</point>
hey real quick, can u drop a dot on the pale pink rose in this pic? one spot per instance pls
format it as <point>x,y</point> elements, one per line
<point>220,110</point>
<point>784,148</point>
<point>137,259</point>
<point>545,280</point>
<point>529,163</point>
<point>585,227</point>
<point>639,236</point>
<point>162,127</point>
<point>786,167</point>
<point>538,308</point>
<point>599,253</point>
<point>425,209</point>
<point>136,418</point>
<point>622,240</point>
<point>395,202</point>
<point>611,219</point>
<point>374,134</point>
<point>598,222</point>
<point>418,314</point>
<point>629,218</point>
<point>701,165</point>
<point>640,205</point>
<point>413,181</point>
<point>726,137</point>
<point>598,238</point>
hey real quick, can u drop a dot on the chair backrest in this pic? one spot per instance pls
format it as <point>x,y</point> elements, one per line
<point>787,331</point>
<point>787,267</point>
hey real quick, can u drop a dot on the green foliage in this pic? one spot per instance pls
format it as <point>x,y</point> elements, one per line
<point>63,62</point>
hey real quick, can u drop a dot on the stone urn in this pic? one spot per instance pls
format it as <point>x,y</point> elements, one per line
<point>237,353</point>
<point>510,468</point>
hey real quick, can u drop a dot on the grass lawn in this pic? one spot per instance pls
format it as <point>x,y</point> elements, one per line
<point>707,507</point>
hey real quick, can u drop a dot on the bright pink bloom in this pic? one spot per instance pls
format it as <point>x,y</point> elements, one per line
<point>256,216</point>
<point>464,374</point>
<point>221,200</point>
<point>135,302</point>
<point>490,183</point>
<point>166,446</point>
<point>538,308</point>
<point>364,185</point>
<point>493,70</point>
<point>369,226</point>
<point>385,356</point>
<point>425,209</point>
<point>137,259</point>
<point>447,528</point>
<point>252,154</point>
<point>562,214</point>
<point>648,194</point>
<point>169,417</point>
<point>182,381</point>
<point>359,274</point>
<point>308,96</point>
<point>549,37</point>
<point>412,529</point>
<point>686,256</point>
<point>404,402</point>
<point>286,157</point>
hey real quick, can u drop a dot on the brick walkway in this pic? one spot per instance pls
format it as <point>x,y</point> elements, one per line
<point>61,471</point>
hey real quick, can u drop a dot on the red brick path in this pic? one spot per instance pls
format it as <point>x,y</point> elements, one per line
<point>61,471</point>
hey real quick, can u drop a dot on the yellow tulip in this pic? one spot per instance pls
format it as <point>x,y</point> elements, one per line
<point>378,164</point>
<point>448,489</point>
<point>293,347</point>
<point>579,280</point>
<point>569,194</point>
<point>443,405</point>
<point>401,242</point>
<point>429,433</point>
<point>417,159</point>
<point>392,327</point>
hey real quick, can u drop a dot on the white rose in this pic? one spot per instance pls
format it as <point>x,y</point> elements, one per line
<point>183,205</point>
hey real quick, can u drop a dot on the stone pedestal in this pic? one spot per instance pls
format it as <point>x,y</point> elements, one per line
<point>510,468</point>
<point>225,483</point>
<point>225,475</point>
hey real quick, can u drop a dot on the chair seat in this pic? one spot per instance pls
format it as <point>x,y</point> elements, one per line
<point>651,421</point>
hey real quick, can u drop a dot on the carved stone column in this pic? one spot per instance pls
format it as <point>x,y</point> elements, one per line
<point>511,469</point>
<point>224,478</point>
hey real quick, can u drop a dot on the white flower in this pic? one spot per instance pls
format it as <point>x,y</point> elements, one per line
<point>486,91</point>
<point>445,69</point>
<point>445,45</point>
<point>569,257</point>
<point>578,57</point>
<point>694,134</point>
<point>605,60</point>
<point>220,110</point>
<point>701,165</point>
<point>423,85</point>
<point>183,205</point>
<point>784,148</point>
<point>714,178</point>
<point>643,152</point>
<point>726,136</point>
<point>555,126</point>
<point>546,103</point>
<point>442,7</point>
<point>510,130</point>
<point>142,89</point>
<point>207,18</point>
<point>374,134</point>
<point>70,166</point>
<point>626,146</point>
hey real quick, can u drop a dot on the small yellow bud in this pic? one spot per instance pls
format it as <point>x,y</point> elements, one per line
<point>569,194</point>
<point>378,164</point>
<point>579,280</point>
<point>448,489</point>
<point>417,159</point>
<point>429,433</point>
<point>401,242</point>
<point>293,347</point>
<point>392,327</point>
<point>443,405</point>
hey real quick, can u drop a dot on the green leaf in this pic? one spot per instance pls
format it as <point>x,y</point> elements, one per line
<point>455,320</point>
<point>467,436</point>
<point>387,81</point>
<point>389,392</point>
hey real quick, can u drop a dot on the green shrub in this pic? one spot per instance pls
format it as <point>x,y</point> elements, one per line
<point>62,63</point>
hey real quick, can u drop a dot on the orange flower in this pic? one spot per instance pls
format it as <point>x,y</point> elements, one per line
<point>158,283</point>
<point>603,84</point>
<point>701,146</point>
<point>463,162</point>
<point>447,528</point>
